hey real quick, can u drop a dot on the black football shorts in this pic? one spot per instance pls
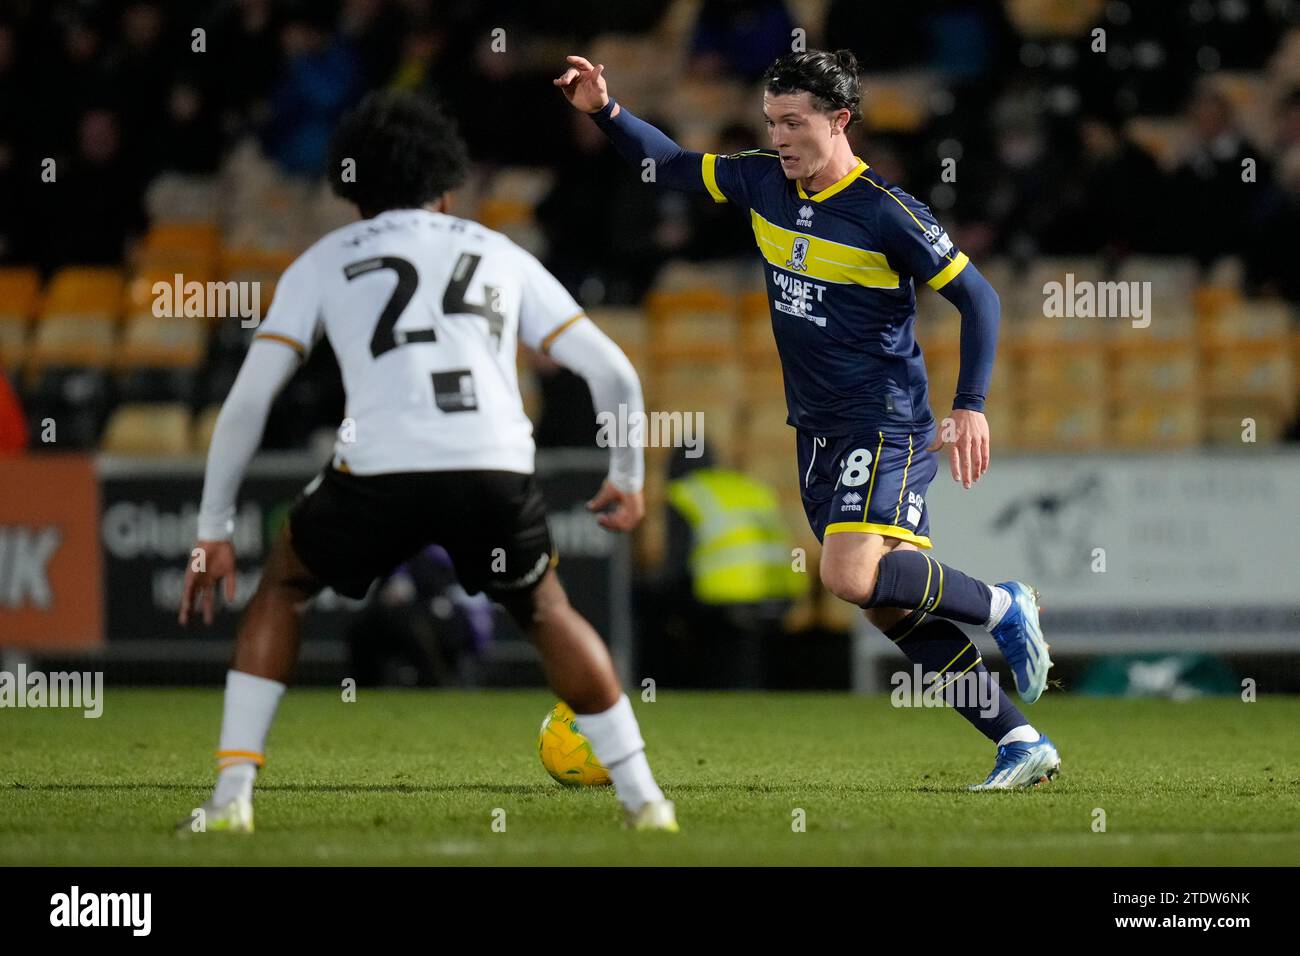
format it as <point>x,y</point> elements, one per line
<point>351,529</point>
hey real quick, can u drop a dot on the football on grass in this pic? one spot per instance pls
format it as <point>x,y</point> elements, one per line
<point>566,754</point>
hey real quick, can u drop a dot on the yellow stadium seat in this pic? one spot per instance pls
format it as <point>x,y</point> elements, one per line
<point>72,340</point>
<point>1156,423</point>
<point>1140,369</point>
<point>697,380</point>
<point>1260,370</point>
<point>150,342</point>
<point>84,291</point>
<point>14,341</point>
<point>143,290</point>
<point>630,328</point>
<point>148,429</point>
<point>20,293</point>
<point>1226,423</point>
<point>1058,369</point>
<point>201,240</point>
<point>1209,301</point>
<point>1249,321</point>
<point>1057,426</point>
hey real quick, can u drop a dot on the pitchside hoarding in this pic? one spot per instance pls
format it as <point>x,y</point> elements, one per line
<point>149,517</point>
<point>50,577</point>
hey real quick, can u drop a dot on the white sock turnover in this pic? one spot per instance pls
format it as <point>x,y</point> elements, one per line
<point>1022,734</point>
<point>616,741</point>
<point>249,708</point>
<point>999,605</point>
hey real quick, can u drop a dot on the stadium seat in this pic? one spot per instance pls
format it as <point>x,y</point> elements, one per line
<point>1141,368</point>
<point>148,429</point>
<point>148,341</point>
<point>14,339</point>
<point>20,297</point>
<point>182,247</point>
<point>1054,426</point>
<point>20,292</point>
<point>1155,423</point>
<point>72,340</point>
<point>94,291</point>
<point>898,103</point>
<point>1045,371</point>
<point>630,328</point>
<point>1260,372</point>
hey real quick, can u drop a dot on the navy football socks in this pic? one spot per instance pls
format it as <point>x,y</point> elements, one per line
<point>914,580</point>
<point>940,648</point>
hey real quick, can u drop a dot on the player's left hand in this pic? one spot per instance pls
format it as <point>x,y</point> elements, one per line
<point>218,565</point>
<point>629,507</point>
<point>969,449</point>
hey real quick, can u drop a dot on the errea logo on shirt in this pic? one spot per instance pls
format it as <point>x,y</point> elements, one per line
<point>805,215</point>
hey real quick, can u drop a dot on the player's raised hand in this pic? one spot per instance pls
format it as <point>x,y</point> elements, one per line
<point>583,85</point>
<point>217,560</point>
<point>969,445</point>
<point>628,511</point>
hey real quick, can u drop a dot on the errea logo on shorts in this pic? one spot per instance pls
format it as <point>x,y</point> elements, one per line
<point>851,502</point>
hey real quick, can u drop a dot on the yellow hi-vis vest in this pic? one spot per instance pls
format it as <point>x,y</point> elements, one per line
<point>741,551</point>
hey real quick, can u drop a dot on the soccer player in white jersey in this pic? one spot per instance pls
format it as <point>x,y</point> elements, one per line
<point>423,311</point>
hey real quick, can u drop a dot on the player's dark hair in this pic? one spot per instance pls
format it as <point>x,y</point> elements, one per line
<point>831,78</point>
<point>406,150</point>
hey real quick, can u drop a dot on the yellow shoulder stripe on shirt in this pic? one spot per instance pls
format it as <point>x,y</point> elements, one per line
<point>954,266</point>
<point>709,169</point>
<point>821,258</point>
<point>283,340</point>
<point>555,332</point>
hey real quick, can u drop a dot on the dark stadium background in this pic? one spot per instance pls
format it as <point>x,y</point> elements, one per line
<point>1124,163</point>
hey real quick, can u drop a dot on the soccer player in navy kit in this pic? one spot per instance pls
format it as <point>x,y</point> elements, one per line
<point>842,250</point>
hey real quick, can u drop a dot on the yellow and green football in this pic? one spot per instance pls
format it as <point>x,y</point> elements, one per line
<point>566,754</point>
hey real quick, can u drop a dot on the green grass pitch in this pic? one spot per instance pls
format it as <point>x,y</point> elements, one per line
<point>414,777</point>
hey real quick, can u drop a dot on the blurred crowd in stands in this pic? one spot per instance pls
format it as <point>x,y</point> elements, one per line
<point>1034,129</point>
<point>1036,121</point>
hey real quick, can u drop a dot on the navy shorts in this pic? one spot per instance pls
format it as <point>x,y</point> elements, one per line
<point>867,482</point>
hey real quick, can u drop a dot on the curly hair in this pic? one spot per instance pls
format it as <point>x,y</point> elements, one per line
<point>831,78</point>
<point>407,152</point>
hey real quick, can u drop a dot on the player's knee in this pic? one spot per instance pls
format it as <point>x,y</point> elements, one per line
<point>541,606</point>
<point>854,583</point>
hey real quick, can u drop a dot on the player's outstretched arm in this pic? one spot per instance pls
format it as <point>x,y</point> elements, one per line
<point>615,389</point>
<point>981,311</point>
<point>583,86</point>
<point>235,440</point>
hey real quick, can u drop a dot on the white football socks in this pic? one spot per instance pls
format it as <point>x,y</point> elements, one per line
<point>249,708</point>
<point>1023,734</point>
<point>616,741</point>
<point>998,606</point>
